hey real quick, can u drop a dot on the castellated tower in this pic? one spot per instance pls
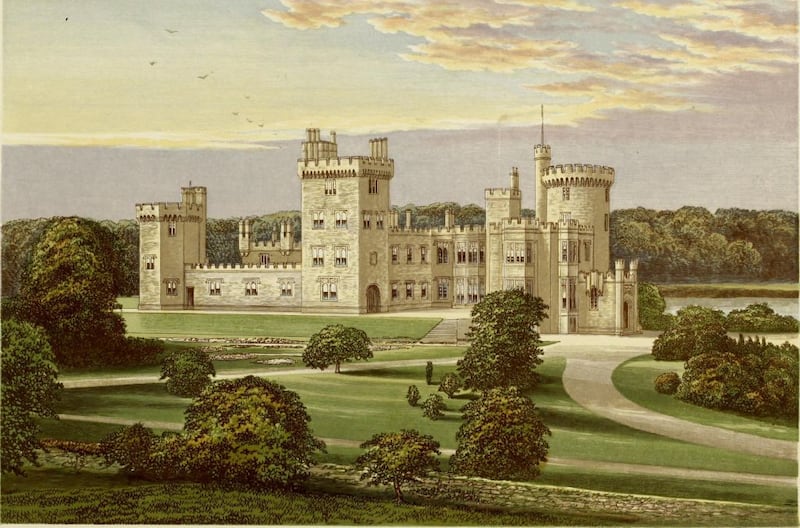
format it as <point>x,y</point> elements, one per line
<point>541,157</point>
<point>171,235</point>
<point>346,219</point>
<point>582,192</point>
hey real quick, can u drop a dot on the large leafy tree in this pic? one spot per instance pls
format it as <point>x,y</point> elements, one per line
<point>502,437</point>
<point>398,458</point>
<point>695,330</point>
<point>504,342</point>
<point>334,345</point>
<point>651,307</point>
<point>187,371</point>
<point>29,389</point>
<point>70,291</point>
<point>251,431</point>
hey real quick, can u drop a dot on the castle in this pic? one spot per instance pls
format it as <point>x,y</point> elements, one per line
<point>355,257</point>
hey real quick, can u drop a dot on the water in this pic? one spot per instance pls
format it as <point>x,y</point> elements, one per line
<point>783,306</point>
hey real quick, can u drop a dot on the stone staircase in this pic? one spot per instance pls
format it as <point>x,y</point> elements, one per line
<point>446,332</point>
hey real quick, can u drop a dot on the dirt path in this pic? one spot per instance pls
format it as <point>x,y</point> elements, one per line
<point>587,379</point>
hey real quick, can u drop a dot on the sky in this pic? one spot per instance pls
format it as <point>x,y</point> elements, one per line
<point>106,104</point>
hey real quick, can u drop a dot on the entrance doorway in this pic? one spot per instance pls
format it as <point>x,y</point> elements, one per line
<point>190,297</point>
<point>373,299</point>
<point>625,315</point>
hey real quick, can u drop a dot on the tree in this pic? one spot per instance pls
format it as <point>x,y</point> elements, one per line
<point>70,291</point>
<point>428,372</point>
<point>334,344</point>
<point>759,317</point>
<point>502,437</point>
<point>433,406</point>
<point>651,307</point>
<point>29,389</point>
<point>695,330</point>
<point>131,447</point>
<point>249,430</point>
<point>450,384</point>
<point>188,372</point>
<point>397,458</point>
<point>504,343</point>
<point>412,395</point>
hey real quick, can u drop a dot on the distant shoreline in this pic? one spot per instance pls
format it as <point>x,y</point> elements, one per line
<point>783,290</point>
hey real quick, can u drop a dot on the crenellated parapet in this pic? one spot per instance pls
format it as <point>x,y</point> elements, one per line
<point>578,175</point>
<point>169,211</point>
<point>502,192</point>
<point>206,267</point>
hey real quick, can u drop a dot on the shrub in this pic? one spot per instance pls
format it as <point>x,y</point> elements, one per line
<point>137,351</point>
<point>188,372</point>
<point>130,447</point>
<point>695,330</point>
<point>428,372</point>
<point>667,383</point>
<point>651,308</point>
<point>760,317</point>
<point>412,395</point>
<point>433,406</point>
<point>450,384</point>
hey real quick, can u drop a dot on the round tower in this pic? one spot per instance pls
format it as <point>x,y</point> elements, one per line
<point>542,157</point>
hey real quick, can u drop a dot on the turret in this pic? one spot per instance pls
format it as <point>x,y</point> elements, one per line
<point>514,178</point>
<point>314,147</point>
<point>287,235</point>
<point>542,158</point>
<point>408,218</point>
<point>244,237</point>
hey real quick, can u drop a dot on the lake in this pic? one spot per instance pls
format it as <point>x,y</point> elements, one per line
<point>783,306</point>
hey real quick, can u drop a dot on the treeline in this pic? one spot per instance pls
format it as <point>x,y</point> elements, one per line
<point>693,244</point>
<point>690,244</point>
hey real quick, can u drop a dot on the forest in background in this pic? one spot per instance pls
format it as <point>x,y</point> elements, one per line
<point>685,245</point>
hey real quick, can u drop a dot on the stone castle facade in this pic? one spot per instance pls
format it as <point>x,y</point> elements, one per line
<point>355,257</point>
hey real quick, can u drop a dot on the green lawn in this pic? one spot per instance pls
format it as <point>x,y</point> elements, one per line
<point>358,404</point>
<point>298,326</point>
<point>730,289</point>
<point>634,379</point>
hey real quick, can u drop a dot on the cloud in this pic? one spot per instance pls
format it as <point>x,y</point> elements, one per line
<point>141,140</point>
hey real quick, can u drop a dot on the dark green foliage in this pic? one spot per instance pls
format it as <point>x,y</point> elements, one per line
<point>432,215</point>
<point>335,344</point>
<point>29,389</point>
<point>131,448</point>
<point>397,458</point>
<point>126,255</point>
<point>433,407</point>
<point>188,371</point>
<point>412,396</point>
<point>19,240</point>
<point>222,241</point>
<point>428,372</point>
<point>504,343</point>
<point>651,308</point>
<point>267,227</point>
<point>70,291</point>
<point>249,431</point>
<point>759,317</point>
<point>667,383</point>
<point>753,377</point>
<point>693,244</point>
<point>695,330</point>
<point>136,351</point>
<point>502,437</point>
<point>450,384</point>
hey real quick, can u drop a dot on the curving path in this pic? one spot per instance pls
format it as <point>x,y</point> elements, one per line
<point>591,360</point>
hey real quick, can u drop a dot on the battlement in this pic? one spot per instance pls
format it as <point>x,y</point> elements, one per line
<point>460,228</point>
<point>172,210</point>
<point>579,168</point>
<point>206,267</point>
<point>578,175</point>
<point>542,151</point>
<point>501,192</point>
<point>344,167</point>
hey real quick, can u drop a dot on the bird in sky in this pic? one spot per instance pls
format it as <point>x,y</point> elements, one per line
<point>261,125</point>
<point>171,31</point>
<point>152,63</point>
<point>203,77</point>
<point>235,113</point>
<point>249,120</point>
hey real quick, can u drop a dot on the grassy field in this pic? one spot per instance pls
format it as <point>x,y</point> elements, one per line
<point>634,379</point>
<point>355,405</point>
<point>269,325</point>
<point>730,289</point>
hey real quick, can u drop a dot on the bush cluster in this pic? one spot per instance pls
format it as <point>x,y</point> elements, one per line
<point>667,383</point>
<point>433,406</point>
<point>760,317</point>
<point>412,396</point>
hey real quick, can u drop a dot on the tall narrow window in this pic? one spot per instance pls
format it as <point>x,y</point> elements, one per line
<point>317,256</point>
<point>395,254</point>
<point>409,254</point>
<point>330,186</point>
<point>341,219</point>
<point>423,254</point>
<point>329,290</point>
<point>587,247</point>
<point>564,251</point>
<point>461,254</point>
<point>319,219</point>
<point>172,228</point>
<point>340,255</point>
<point>606,221</point>
<point>441,254</point>
<point>172,287</point>
<point>287,288</point>
<point>473,254</point>
<point>250,288</point>
<point>214,287</point>
<point>594,294</point>
<point>409,290</point>
<point>443,288</point>
<point>373,185</point>
<point>423,290</point>
<point>563,294</point>
<point>565,193</point>
<point>379,221</point>
<point>394,291</point>
<point>572,298</point>
<point>265,259</point>
<point>608,194</point>
<point>367,221</point>
<point>481,255</point>
<point>149,262</point>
